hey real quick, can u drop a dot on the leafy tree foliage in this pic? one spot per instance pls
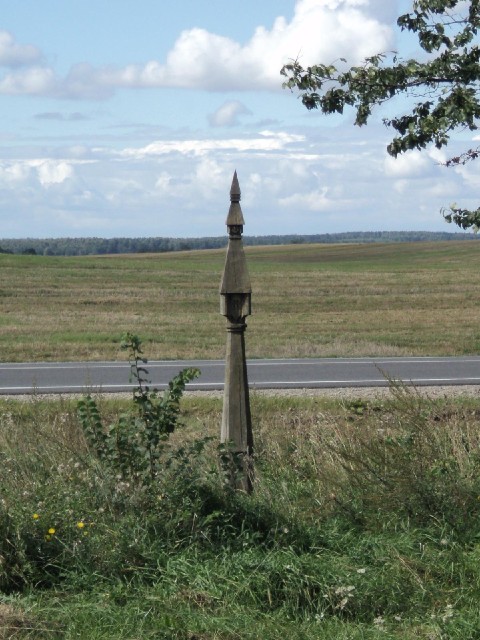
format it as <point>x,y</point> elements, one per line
<point>444,87</point>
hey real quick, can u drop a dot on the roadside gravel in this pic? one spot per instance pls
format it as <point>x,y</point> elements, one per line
<point>367,393</point>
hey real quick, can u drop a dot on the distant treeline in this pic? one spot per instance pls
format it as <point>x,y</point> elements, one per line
<point>102,246</point>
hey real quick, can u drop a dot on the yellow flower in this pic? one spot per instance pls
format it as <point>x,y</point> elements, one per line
<point>51,531</point>
<point>80,525</point>
<point>35,516</point>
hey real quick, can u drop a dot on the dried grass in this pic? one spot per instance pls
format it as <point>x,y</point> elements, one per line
<point>17,625</point>
<point>311,300</point>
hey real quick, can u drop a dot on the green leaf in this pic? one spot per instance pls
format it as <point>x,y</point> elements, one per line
<point>449,78</point>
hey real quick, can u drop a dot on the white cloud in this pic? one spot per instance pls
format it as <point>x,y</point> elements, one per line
<point>13,173</point>
<point>163,182</point>
<point>442,189</point>
<point>413,164</point>
<point>16,55</point>
<point>36,81</point>
<point>37,171</point>
<point>228,115</point>
<point>320,30</point>
<point>210,177</point>
<point>187,193</point>
<point>86,82</point>
<point>266,141</point>
<point>317,200</point>
<point>51,172</point>
<point>437,155</point>
<point>469,174</point>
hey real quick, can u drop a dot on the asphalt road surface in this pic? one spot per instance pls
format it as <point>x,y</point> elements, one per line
<point>110,377</point>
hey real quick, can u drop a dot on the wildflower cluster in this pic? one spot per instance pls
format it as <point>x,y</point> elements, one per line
<point>52,531</point>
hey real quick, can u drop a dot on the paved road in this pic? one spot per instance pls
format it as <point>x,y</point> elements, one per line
<point>74,377</point>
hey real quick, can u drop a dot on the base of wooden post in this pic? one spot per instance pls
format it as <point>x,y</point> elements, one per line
<point>236,430</point>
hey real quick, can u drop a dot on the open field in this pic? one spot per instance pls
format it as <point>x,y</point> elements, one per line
<point>308,300</point>
<point>363,526</point>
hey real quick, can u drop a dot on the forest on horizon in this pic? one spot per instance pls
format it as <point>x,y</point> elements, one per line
<point>104,246</point>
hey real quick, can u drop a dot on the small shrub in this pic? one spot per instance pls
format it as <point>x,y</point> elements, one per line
<point>133,446</point>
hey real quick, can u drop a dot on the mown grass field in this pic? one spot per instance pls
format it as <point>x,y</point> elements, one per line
<point>308,300</point>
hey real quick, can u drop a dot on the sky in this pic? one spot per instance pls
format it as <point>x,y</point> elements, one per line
<point>128,119</point>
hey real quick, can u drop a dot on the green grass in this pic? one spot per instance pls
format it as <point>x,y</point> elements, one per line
<point>363,524</point>
<point>364,519</point>
<point>308,300</point>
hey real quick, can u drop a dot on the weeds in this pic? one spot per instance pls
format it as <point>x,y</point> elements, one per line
<point>134,447</point>
<point>364,524</point>
<point>414,460</point>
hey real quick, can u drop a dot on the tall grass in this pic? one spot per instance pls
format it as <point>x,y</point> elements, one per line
<point>363,524</point>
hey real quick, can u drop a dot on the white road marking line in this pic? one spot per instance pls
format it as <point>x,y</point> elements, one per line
<point>250,363</point>
<point>85,388</point>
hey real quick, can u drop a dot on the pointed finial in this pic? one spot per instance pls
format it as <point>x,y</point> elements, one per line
<point>235,189</point>
<point>235,216</point>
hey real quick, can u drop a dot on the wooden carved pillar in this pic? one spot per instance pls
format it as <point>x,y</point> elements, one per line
<point>235,305</point>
